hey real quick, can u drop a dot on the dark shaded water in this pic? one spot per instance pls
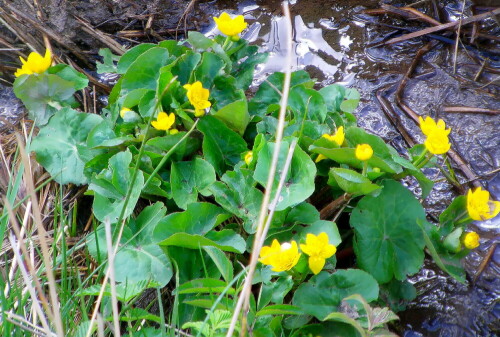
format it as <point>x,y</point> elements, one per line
<point>330,41</point>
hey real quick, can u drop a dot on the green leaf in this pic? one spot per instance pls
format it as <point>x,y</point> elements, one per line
<point>270,90</point>
<point>222,147</point>
<point>452,266</point>
<point>69,74</point>
<point>226,240</point>
<point>124,291</point>
<point>307,101</point>
<point>199,218</point>
<point>236,194</point>
<point>343,318</point>
<point>131,55</point>
<point>299,182</point>
<point>199,41</point>
<point>136,314</point>
<point>333,95</point>
<point>144,72</point>
<point>111,185</point>
<point>108,62</point>
<point>137,249</point>
<point>279,309</point>
<point>235,116</point>
<point>452,214</point>
<point>161,145</point>
<point>348,156</point>
<point>324,292</point>
<point>388,242</point>
<point>61,147</point>
<point>203,285</point>
<point>351,100</point>
<point>185,65</point>
<point>44,95</point>
<point>352,182</point>
<point>221,261</point>
<point>208,69</point>
<point>275,291</point>
<point>189,178</point>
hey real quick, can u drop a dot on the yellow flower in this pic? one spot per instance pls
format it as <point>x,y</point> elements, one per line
<point>429,125</point>
<point>123,112</point>
<point>248,157</point>
<point>364,152</point>
<point>337,138</point>
<point>280,257</point>
<point>163,121</point>
<point>35,64</point>
<point>471,240</point>
<point>479,205</point>
<point>198,97</point>
<point>230,27</point>
<point>318,249</point>
<point>437,142</point>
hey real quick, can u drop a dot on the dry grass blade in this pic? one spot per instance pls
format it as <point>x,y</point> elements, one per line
<point>111,259</point>
<point>244,297</point>
<point>46,257</point>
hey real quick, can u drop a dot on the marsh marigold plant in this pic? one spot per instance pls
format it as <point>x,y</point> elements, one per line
<point>471,240</point>
<point>364,152</point>
<point>163,121</point>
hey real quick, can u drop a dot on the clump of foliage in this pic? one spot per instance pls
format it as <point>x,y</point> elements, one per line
<point>182,132</point>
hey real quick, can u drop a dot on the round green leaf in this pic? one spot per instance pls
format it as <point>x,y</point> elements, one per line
<point>388,240</point>
<point>324,292</point>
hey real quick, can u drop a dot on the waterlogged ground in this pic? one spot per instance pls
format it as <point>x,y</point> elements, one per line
<point>330,41</point>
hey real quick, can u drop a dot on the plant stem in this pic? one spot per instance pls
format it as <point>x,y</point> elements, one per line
<point>169,153</point>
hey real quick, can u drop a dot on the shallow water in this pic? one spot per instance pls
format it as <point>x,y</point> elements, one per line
<point>329,40</point>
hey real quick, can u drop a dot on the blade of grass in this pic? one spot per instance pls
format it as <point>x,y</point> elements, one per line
<point>246,292</point>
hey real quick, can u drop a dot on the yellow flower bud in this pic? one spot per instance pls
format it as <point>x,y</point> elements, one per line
<point>123,112</point>
<point>364,152</point>
<point>248,157</point>
<point>471,240</point>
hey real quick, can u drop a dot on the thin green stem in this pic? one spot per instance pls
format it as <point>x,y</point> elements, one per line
<point>169,153</point>
<point>365,168</point>
<point>419,159</point>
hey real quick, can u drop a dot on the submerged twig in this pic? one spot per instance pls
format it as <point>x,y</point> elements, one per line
<point>444,26</point>
<point>465,109</point>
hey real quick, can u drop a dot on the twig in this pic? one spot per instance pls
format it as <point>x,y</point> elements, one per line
<point>246,290</point>
<point>485,261</point>
<point>393,117</point>
<point>443,27</point>
<point>465,109</point>
<point>410,113</point>
<point>410,13</point>
<point>327,212</point>
<point>455,54</point>
<point>104,38</point>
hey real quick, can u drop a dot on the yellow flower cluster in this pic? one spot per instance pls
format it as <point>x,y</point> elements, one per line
<point>479,205</point>
<point>283,257</point>
<point>338,138</point>
<point>231,27</point>
<point>34,64</point>
<point>437,141</point>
